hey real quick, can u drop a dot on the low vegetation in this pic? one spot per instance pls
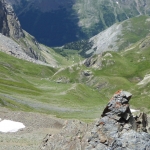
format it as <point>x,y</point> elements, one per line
<point>76,91</point>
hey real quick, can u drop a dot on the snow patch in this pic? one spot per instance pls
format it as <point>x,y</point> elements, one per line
<point>10,126</point>
<point>133,110</point>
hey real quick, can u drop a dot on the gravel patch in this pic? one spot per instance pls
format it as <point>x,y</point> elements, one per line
<point>36,127</point>
<point>11,47</point>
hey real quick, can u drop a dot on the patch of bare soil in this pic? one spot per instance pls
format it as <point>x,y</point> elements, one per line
<point>37,126</point>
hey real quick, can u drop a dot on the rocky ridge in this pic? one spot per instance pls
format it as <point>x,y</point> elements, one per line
<point>11,25</point>
<point>12,33</point>
<point>117,129</point>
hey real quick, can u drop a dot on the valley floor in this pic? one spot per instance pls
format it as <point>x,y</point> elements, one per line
<point>37,126</point>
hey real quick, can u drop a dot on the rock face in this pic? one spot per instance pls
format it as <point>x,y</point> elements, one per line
<point>9,46</point>
<point>9,24</point>
<point>15,29</point>
<point>117,129</point>
<point>94,62</point>
<point>3,20</point>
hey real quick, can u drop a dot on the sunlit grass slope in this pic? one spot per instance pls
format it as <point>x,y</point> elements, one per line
<point>29,87</point>
<point>123,70</point>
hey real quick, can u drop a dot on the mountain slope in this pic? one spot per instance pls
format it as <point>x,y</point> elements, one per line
<point>56,23</point>
<point>110,71</point>
<point>121,35</point>
<point>29,87</point>
<point>78,90</point>
<point>115,38</point>
<point>17,42</point>
<point>100,14</point>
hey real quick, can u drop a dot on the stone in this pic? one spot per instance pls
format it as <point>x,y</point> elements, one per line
<point>103,139</point>
<point>119,126</point>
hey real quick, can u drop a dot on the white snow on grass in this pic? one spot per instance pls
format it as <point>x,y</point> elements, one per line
<point>133,110</point>
<point>10,126</point>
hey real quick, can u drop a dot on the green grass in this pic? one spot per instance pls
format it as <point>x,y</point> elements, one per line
<point>71,94</point>
<point>127,69</point>
<point>134,29</point>
<point>29,87</point>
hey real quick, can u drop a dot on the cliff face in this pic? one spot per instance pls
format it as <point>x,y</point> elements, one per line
<point>4,29</point>
<point>9,24</point>
<point>15,29</point>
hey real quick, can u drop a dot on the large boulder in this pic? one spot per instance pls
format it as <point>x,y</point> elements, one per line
<point>118,129</point>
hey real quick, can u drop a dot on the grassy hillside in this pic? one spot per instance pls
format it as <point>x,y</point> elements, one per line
<point>73,90</point>
<point>134,30</point>
<point>29,87</point>
<point>76,91</point>
<point>117,70</point>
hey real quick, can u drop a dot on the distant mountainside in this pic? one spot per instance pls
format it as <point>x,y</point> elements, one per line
<point>115,38</point>
<point>120,35</point>
<point>56,23</point>
<point>52,22</point>
<point>17,42</point>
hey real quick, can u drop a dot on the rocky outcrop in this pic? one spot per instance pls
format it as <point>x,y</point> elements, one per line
<point>99,61</point>
<point>10,25</point>
<point>15,29</point>
<point>94,61</point>
<point>4,29</point>
<point>117,129</point>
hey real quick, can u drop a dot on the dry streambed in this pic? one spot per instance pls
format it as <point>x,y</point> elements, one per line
<point>36,127</point>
